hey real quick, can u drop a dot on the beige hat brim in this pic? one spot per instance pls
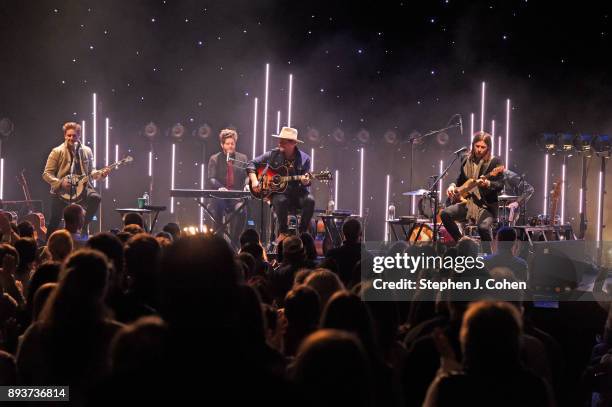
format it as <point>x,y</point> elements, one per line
<point>285,138</point>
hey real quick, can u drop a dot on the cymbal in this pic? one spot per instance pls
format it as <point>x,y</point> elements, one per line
<point>417,192</point>
<point>505,197</point>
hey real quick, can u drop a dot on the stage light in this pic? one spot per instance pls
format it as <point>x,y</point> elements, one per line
<point>363,136</point>
<point>390,137</point>
<point>313,135</point>
<point>599,211</point>
<point>202,227</point>
<point>150,163</point>
<point>582,142</point>
<point>565,142</point>
<point>1,178</point>
<point>172,176</point>
<point>116,152</point>
<point>442,138</point>
<point>563,187</point>
<point>151,131</point>
<point>7,128</point>
<point>545,210</point>
<point>312,160</point>
<point>336,178</point>
<point>387,217</point>
<point>203,132</point>
<point>361,183</point>
<point>547,142</point>
<point>440,182</point>
<point>95,132</point>
<point>265,118</point>
<point>190,230</point>
<point>338,135</point>
<point>278,117</point>
<point>255,128</point>
<point>177,132</point>
<point>106,136</point>
<point>580,201</point>
<point>416,136</point>
<point>482,107</point>
<point>493,137</point>
<point>602,145</point>
<point>83,133</point>
<point>471,135</point>
<point>289,102</point>
<point>507,160</point>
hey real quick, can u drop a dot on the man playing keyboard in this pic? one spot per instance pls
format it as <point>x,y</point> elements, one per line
<point>226,173</point>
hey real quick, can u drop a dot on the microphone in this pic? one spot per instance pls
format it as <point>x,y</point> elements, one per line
<point>226,157</point>
<point>461,124</point>
<point>461,150</point>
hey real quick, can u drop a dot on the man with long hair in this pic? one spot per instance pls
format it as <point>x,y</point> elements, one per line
<point>481,206</point>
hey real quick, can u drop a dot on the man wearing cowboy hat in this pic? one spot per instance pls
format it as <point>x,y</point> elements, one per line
<point>297,194</point>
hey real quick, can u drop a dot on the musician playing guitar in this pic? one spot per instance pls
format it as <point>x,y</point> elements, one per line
<point>297,194</point>
<point>480,205</point>
<point>71,155</point>
<point>225,174</point>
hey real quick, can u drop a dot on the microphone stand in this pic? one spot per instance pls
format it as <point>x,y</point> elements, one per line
<point>434,194</point>
<point>413,140</point>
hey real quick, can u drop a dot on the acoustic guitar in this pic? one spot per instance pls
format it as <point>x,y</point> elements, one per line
<point>275,180</point>
<point>464,192</point>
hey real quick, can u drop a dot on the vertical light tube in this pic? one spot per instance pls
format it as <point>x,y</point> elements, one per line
<point>471,129</point>
<point>599,220</point>
<point>482,107</point>
<point>116,152</point>
<point>278,117</point>
<point>507,157</point>
<point>413,207</point>
<point>83,133</point>
<point>172,177</point>
<point>361,183</point>
<point>265,118</point>
<point>201,199</point>
<point>337,177</point>
<point>387,209</point>
<point>545,209</point>
<point>255,129</point>
<point>563,192</point>
<point>312,162</point>
<point>289,103</point>
<point>492,137</point>
<point>440,183</point>
<point>499,146</point>
<point>95,132</point>
<point>106,135</point>
<point>150,163</point>
<point>580,202</point>
<point>1,178</point>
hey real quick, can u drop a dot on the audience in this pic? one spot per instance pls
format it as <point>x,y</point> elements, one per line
<point>74,220</point>
<point>291,333</point>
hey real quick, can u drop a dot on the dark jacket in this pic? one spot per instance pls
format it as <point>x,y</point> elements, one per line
<point>276,159</point>
<point>488,195</point>
<point>217,170</point>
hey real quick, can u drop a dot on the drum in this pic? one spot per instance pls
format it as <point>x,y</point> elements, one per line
<point>426,234</point>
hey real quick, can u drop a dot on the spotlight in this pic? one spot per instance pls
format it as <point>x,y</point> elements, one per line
<point>363,136</point>
<point>313,135</point>
<point>177,131</point>
<point>547,142</point>
<point>442,138</point>
<point>338,135</point>
<point>390,137</point>
<point>602,145</point>
<point>582,142</point>
<point>565,142</point>
<point>150,131</point>
<point>415,135</point>
<point>7,128</point>
<point>203,132</point>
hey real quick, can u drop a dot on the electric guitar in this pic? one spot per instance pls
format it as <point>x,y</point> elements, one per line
<point>463,192</point>
<point>37,219</point>
<point>274,180</point>
<point>75,192</point>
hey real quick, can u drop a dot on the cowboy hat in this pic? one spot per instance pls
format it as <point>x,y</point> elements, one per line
<point>288,133</point>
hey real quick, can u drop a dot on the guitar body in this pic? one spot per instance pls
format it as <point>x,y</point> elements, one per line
<point>270,181</point>
<point>79,183</point>
<point>465,190</point>
<point>275,180</point>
